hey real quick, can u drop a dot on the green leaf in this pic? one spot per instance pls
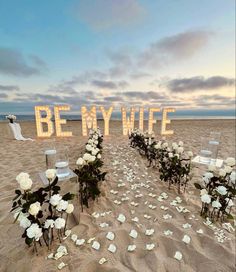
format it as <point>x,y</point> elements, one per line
<point>68,196</point>
<point>230,216</point>
<point>198,186</point>
<point>28,240</point>
<point>18,192</point>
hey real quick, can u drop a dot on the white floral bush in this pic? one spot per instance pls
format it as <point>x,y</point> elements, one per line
<point>40,213</point>
<point>218,191</point>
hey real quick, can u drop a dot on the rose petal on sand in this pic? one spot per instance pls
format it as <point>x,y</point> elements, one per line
<point>149,232</point>
<point>104,225</point>
<point>150,246</point>
<point>135,219</point>
<point>133,233</point>
<point>80,242</point>
<point>102,260</point>
<point>178,256</point>
<point>90,240</point>
<point>187,226</point>
<point>61,265</point>
<point>168,232</point>
<point>121,218</point>
<point>186,239</point>
<point>74,237</point>
<point>110,236</point>
<point>200,231</point>
<point>131,248</point>
<point>96,245</point>
<point>167,216</point>
<point>112,248</point>
<point>50,256</point>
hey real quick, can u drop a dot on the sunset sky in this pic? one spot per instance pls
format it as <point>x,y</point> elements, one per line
<point>178,53</point>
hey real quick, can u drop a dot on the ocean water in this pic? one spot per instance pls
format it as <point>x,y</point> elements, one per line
<point>179,115</point>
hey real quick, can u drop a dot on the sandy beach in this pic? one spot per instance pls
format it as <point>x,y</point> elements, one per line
<point>204,253</point>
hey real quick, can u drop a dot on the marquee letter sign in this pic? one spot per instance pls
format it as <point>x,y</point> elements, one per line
<point>151,120</point>
<point>106,118</point>
<point>44,123</point>
<point>40,120</point>
<point>59,121</point>
<point>89,119</point>
<point>127,122</point>
<point>166,121</point>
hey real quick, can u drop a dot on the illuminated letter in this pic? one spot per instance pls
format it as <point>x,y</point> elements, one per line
<point>166,121</point>
<point>106,117</point>
<point>128,123</point>
<point>59,121</point>
<point>151,121</point>
<point>89,119</point>
<point>141,119</point>
<point>39,120</point>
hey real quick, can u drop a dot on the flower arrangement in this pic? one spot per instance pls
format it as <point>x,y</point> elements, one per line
<point>89,168</point>
<point>41,213</point>
<point>11,118</point>
<point>173,162</point>
<point>218,191</point>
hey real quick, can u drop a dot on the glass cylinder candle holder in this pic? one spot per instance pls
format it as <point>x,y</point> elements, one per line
<point>205,152</point>
<point>62,163</point>
<point>50,152</point>
<point>214,143</point>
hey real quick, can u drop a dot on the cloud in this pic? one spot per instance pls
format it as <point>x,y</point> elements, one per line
<point>12,62</point>
<point>9,88</point>
<point>105,14</point>
<point>199,83</point>
<point>2,95</point>
<point>149,95</point>
<point>180,46</point>
<point>109,84</point>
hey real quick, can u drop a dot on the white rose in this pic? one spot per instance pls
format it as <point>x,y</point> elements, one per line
<point>88,147</point>
<point>228,169</point>
<point>222,172</point>
<point>174,145</point>
<point>25,184</point>
<point>55,199</point>
<point>230,203</point>
<point>170,155</point>
<point>221,190</point>
<point>25,222</point>
<point>92,158</point>
<point>86,156</point>
<point>80,161</point>
<point>94,152</point>
<point>233,177</point>
<point>190,154</point>
<point>34,208</point>
<point>206,198</point>
<point>20,215</point>
<point>51,173</point>
<point>181,143</point>
<point>99,156</point>
<point>230,161</point>
<point>60,223</point>
<point>203,192</point>
<point>208,175</point>
<point>34,231</point>
<point>70,208</point>
<point>96,142</point>
<point>180,150</point>
<point>62,205</point>
<point>21,176</point>
<point>216,204</point>
<point>211,168</point>
<point>90,141</point>
<point>49,223</point>
<point>165,145</point>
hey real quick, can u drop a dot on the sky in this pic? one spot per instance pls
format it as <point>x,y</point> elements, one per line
<point>161,53</point>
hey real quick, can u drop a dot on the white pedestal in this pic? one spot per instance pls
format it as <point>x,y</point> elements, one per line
<point>217,162</point>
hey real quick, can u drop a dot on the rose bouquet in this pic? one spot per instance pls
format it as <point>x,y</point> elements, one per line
<point>174,164</point>
<point>89,168</point>
<point>41,213</point>
<point>218,191</point>
<point>11,118</point>
<point>138,140</point>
